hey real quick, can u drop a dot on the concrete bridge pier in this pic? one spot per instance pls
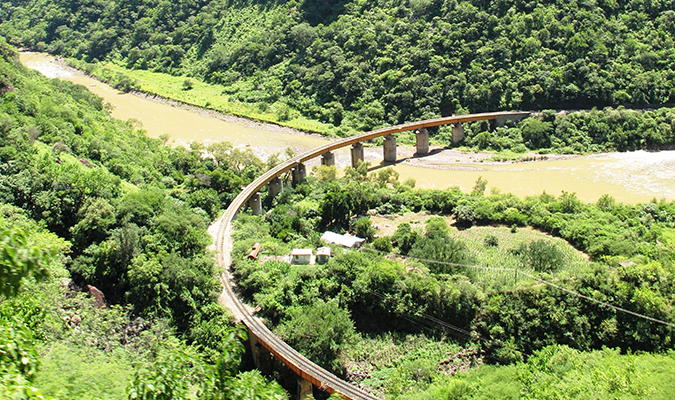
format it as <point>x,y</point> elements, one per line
<point>389,148</point>
<point>262,358</point>
<point>357,154</point>
<point>501,121</point>
<point>305,389</point>
<point>255,204</point>
<point>328,159</point>
<point>504,120</point>
<point>498,122</point>
<point>275,186</point>
<point>457,132</point>
<point>299,173</point>
<point>422,141</point>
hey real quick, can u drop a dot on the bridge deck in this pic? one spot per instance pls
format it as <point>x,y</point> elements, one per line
<point>296,361</point>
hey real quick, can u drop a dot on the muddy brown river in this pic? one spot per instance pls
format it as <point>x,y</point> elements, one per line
<point>629,177</point>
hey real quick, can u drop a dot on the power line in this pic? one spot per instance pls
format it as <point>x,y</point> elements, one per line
<point>514,270</point>
<point>617,308</point>
<point>419,314</point>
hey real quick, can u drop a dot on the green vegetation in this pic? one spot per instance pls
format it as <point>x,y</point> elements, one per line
<point>126,214</point>
<point>90,204</point>
<point>203,94</point>
<point>19,261</point>
<point>320,329</point>
<point>476,285</point>
<point>593,131</point>
<point>338,67</point>
<point>559,372</point>
<point>398,363</point>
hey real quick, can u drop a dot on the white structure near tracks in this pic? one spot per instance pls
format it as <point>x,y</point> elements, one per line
<point>345,240</point>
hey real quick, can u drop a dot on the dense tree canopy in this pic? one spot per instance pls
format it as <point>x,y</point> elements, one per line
<point>367,63</point>
<point>135,214</point>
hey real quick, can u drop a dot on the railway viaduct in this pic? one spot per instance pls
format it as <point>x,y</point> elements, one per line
<point>309,373</point>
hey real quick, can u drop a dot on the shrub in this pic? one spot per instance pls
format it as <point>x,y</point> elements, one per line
<point>383,244</point>
<point>405,237</point>
<point>465,215</point>
<point>364,228</point>
<point>318,331</point>
<point>491,240</point>
<point>542,255</point>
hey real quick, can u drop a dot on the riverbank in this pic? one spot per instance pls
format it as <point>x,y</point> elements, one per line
<point>194,92</point>
<point>234,119</point>
<point>438,158</point>
<point>63,69</point>
<point>628,177</point>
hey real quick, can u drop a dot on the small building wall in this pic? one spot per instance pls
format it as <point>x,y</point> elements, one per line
<point>322,255</point>
<point>301,256</point>
<point>302,259</point>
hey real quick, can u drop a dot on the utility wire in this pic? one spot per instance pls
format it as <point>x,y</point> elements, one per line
<point>572,292</point>
<point>617,308</point>
<point>430,318</point>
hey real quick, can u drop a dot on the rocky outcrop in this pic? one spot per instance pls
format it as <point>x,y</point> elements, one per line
<point>99,297</point>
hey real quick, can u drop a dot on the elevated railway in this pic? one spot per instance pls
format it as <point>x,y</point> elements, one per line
<point>305,368</point>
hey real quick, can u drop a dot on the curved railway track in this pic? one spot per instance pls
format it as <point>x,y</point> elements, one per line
<point>318,376</point>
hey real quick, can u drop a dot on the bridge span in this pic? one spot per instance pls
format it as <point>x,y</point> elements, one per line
<point>307,370</point>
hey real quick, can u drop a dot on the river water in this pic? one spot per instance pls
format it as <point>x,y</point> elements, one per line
<point>629,177</point>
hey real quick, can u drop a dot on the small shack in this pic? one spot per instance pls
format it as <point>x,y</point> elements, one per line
<point>345,240</point>
<point>255,250</point>
<point>301,256</point>
<point>322,255</point>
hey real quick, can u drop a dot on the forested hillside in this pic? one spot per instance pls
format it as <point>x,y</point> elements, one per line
<point>366,63</point>
<point>87,200</point>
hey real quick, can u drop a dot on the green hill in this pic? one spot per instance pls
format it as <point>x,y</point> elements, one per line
<point>367,63</point>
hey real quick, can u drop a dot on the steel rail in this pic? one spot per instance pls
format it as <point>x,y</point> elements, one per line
<point>297,362</point>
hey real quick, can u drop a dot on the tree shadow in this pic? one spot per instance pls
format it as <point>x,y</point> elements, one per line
<point>385,164</point>
<point>322,11</point>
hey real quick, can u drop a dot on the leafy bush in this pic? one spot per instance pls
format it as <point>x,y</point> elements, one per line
<point>465,214</point>
<point>20,260</point>
<point>404,237</point>
<point>383,244</point>
<point>437,245</point>
<point>17,351</point>
<point>491,240</point>
<point>319,331</point>
<point>541,255</point>
<point>363,227</point>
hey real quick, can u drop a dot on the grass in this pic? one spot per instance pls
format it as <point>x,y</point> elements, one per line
<point>569,374</point>
<point>500,256</point>
<point>396,363</point>
<point>210,96</point>
<point>485,383</point>
<point>71,372</point>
